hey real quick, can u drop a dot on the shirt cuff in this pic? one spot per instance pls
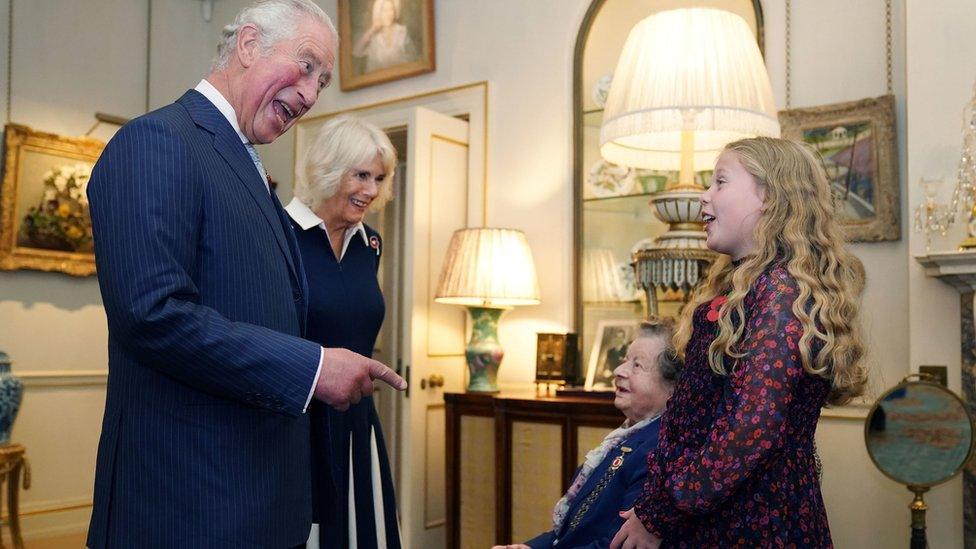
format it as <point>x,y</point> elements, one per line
<point>315,380</point>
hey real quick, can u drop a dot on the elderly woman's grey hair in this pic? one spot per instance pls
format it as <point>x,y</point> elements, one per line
<point>345,143</point>
<point>669,364</point>
<point>275,19</point>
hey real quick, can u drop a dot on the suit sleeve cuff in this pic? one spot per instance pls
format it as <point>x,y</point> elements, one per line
<point>315,380</point>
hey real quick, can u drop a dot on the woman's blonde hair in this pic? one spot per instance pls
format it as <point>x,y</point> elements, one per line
<point>344,143</point>
<point>797,227</point>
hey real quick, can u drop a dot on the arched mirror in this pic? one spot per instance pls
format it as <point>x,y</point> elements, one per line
<point>612,216</point>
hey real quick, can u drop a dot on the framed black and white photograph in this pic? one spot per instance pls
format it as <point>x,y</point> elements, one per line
<point>609,351</point>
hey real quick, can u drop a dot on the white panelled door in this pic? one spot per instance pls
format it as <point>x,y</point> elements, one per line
<point>433,336</point>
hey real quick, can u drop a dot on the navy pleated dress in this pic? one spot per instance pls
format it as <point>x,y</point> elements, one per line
<point>353,496</point>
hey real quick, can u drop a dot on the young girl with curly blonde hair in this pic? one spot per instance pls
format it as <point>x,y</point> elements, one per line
<point>769,339</point>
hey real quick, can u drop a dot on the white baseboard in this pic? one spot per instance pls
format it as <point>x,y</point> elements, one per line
<point>42,519</point>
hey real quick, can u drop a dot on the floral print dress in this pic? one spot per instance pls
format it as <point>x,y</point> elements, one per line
<point>735,466</point>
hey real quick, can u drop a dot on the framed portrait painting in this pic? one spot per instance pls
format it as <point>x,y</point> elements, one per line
<point>609,351</point>
<point>857,142</point>
<point>44,220</point>
<point>384,40</point>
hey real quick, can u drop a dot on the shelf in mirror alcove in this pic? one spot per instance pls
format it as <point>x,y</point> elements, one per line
<point>593,119</point>
<point>628,203</point>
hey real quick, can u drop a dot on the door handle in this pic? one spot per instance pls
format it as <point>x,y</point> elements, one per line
<point>434,381</point>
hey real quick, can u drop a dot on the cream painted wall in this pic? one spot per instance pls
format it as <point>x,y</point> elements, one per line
<point>53,322</point>
<point>67,64</point>
<point>941,72</point>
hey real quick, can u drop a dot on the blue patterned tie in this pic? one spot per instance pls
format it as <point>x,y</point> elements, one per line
<point>257,164</point>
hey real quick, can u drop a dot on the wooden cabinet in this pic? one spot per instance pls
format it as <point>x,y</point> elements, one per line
<point>510,457</point>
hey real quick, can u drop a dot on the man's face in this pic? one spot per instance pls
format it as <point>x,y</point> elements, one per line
<point>277,89</point>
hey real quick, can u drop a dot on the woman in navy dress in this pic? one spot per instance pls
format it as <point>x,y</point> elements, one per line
<point>348,170</point>
<point>770,338</point>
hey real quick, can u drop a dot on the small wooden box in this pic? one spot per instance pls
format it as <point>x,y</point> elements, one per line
<point>557,358</point>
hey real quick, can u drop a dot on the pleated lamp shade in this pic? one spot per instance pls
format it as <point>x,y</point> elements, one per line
<point>686,70</point>
<point>487,267</point>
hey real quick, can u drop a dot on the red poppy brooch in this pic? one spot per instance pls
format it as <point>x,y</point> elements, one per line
<point>714,306</point>
<point>375,244</point>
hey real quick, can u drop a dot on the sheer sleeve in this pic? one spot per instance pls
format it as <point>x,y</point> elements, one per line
<point>750,425</point>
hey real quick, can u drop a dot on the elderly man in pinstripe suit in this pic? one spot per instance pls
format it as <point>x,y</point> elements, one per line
<point>205,441</point>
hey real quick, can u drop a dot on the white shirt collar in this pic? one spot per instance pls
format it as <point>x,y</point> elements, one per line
<point>210,92</point>
<point>306,219</point>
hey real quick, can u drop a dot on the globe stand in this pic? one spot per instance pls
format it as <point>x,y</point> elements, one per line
<point>918,508</point>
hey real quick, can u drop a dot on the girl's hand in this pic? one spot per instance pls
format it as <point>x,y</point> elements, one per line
<point>633,535</point>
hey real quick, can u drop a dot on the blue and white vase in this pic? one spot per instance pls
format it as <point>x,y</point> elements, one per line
<point>11,391</point>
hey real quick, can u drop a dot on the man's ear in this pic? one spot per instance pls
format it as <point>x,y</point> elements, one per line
<point>248,44</point>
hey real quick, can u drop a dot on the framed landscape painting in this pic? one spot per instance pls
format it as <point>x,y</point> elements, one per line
<point>857,143</point>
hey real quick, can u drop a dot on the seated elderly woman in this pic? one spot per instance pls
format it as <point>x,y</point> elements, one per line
<point>613,473</point>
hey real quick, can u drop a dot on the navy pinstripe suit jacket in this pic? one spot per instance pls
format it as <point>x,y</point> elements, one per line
<point>204,441</point>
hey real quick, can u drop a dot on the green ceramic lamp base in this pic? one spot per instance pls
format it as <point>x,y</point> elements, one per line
<point>484,353</point>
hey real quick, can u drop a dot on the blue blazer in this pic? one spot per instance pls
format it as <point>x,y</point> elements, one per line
<point>204,441</point>
<point>600,522</point>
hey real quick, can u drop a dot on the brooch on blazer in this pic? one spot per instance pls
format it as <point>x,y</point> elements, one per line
<point>619,460</point>
<point>375,244</point>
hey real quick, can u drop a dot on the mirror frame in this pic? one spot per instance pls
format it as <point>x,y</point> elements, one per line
<point>581,38</point>
<point>907,382</point>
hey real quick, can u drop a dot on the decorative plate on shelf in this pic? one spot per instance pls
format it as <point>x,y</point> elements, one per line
<point>628,282</point>
<point>606,179</point>
<point>601,89</point>
<point>653,181</point>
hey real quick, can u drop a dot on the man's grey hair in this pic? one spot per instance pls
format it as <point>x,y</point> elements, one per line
<point>669,365</point>
<point>275,19</point>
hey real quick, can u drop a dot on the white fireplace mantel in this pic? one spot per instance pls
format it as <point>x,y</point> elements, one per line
<point>958,269</point>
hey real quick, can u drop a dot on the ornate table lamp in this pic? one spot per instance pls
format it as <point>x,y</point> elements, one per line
<point>688,82</point>
<point>489,271</point>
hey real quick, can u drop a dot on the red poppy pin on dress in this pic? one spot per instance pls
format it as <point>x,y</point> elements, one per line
<point>375,244</point>
<point>714,306</point>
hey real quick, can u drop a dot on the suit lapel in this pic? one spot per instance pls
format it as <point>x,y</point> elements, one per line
<point>301,282</point>
<point>228,144</point>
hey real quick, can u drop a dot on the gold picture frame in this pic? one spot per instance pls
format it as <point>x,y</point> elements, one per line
<point>857,142</point>
<point>44,221</point>
<point>384,40</point>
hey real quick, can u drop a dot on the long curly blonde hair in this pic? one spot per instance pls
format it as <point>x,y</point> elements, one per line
<point>797,227</point>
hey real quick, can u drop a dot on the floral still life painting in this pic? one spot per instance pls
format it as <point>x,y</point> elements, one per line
<point>60,221</point>
<point>44,219</point>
